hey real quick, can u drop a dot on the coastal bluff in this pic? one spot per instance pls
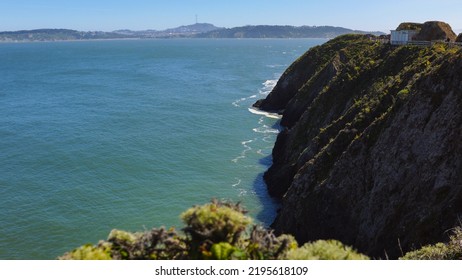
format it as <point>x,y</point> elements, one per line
<point>370,153</point>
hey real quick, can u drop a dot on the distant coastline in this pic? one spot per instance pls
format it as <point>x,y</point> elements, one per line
<point>198,30</point>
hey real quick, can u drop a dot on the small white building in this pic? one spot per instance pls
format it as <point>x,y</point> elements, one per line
<point>402,37</point>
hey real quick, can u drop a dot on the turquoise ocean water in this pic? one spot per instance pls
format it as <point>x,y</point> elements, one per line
<point>128,134</point>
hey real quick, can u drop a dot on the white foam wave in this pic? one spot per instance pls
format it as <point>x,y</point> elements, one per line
<point>242,192</point>
<point>236,160</point>
<point>247,149</point>
<point>238,182</point>
<point>256,111</point>
<point>244,143</point>
<point>236,103</point>
<point>261,120</point>
<point>275,65</point>
<point>265,130</point>
<point>269,84</point>
<point>268,139</point>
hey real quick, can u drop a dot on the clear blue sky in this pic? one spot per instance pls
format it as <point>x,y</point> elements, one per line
<point>108,15</point>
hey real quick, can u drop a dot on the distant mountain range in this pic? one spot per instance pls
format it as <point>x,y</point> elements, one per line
<point>198,30</point>
<point>56,35</point>
<point>182,31</point>
<point>278,31</point>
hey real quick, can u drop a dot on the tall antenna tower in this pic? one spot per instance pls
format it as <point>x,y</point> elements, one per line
<point>196,19</point>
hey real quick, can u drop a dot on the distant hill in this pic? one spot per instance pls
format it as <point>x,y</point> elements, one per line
<point>278,31</point>
<point>198,30</point>
<point>57,35</point>
<point>182,31</point>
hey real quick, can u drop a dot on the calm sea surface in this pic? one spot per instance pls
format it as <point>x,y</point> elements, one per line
<point>129,134</point>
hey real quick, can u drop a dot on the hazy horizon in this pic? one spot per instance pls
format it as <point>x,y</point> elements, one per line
<point>173,27</point>
<point>105,15</point>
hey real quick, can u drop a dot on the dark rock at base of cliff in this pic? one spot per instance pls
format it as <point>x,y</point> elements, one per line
<point>279,176</point>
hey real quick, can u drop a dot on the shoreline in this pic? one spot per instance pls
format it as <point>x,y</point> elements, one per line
<point>147,39</point>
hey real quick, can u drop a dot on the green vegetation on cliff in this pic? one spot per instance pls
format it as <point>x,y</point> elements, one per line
<point>440,251</point>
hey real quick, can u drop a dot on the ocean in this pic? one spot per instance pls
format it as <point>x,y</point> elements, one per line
<point>97,135</point>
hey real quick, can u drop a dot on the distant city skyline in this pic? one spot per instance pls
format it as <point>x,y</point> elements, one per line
<point>105,15</point>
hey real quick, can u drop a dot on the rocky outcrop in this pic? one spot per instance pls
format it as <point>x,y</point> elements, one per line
<point>371,154</point>
<point>435,31</point>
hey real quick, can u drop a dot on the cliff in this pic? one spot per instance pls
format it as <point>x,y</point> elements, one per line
<point>371,152</point>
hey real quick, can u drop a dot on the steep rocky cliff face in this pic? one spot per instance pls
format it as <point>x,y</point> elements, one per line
<point>372,151</point>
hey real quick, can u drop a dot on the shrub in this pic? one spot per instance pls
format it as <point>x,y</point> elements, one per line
<point>440,251</point>
<point>89,252</point>
<point>226,251</point>
<point>157,244</point>
<point>325,250</point>
<point>216,222</point>
<point>214,231</point>
<point>403,93</point>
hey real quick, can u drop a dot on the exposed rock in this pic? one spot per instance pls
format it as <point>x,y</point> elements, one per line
<point>372,154</point>
<point>459,38</point>
<point>436,30</point>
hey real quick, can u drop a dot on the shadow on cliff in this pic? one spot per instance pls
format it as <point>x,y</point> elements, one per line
<point>270,204</point>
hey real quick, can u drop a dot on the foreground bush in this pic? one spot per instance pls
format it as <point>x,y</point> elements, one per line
<point>324,250</point>
<point>216,231</point>
<point>440,251</point>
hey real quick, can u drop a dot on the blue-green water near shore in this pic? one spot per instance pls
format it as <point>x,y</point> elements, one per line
<point>128,134</point>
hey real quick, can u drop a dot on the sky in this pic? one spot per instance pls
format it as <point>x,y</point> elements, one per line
<point>109,15</point>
